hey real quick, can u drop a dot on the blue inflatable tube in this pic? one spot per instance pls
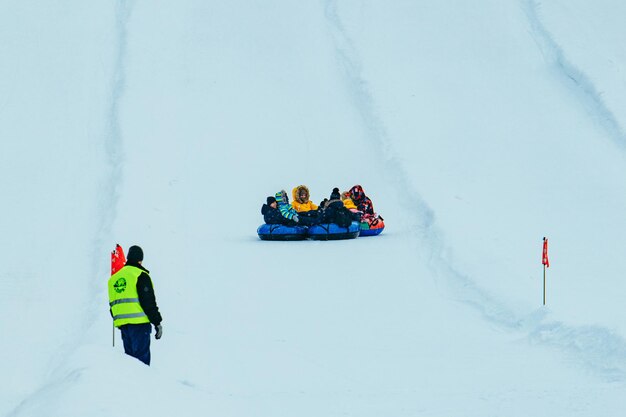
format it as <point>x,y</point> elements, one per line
<point>371,232</point>
<point>281,232</point>
<point>331,231</point>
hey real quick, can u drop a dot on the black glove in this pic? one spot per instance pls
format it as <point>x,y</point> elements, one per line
<point>159,331</point>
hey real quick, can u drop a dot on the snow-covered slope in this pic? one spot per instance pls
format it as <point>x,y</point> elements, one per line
<point>476,129</point>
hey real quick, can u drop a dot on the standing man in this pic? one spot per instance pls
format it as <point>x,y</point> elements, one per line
<point>133,306</point>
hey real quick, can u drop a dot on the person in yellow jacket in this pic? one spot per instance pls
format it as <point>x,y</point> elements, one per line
<point>347,201</point>
<point>301,199</point>
<point>133,306</point>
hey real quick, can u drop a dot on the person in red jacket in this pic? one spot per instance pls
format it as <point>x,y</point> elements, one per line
<point>363,203</point>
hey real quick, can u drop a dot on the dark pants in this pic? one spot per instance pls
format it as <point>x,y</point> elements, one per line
<point>136,338</point>
<point>308,218</point>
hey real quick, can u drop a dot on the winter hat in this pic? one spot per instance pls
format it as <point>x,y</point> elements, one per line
<point>135,254</point>
<point>270,200</point>
<point>335,194</point>
<point>281,196</point>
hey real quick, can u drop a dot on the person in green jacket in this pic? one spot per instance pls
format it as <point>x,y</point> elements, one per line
<point>133,306</point>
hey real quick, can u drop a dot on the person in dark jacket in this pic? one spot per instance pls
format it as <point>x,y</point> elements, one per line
<point>333,210</point>
<point>333,202</point>
<point>290,217</point>
<point>272,215</point>
<point>134,307</point>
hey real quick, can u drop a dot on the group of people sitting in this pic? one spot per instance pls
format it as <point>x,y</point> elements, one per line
<point>340,208</point>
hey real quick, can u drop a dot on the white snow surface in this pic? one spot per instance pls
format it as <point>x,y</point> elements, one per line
<point>477,128</point>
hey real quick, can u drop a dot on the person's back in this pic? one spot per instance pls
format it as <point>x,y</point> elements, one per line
<point>133,306</point>
<point>334,211</point>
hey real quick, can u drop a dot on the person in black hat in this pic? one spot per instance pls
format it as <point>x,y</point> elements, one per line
<point>133,306</point>
<point>271,214</point>
<point>335,197</point>
<point>334,211</point>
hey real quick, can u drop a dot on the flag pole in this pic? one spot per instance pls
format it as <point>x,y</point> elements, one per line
<point>117,262</point>
<point>546,264</point>
<point>544,285</point>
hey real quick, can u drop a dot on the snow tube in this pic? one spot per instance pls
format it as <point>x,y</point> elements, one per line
<point>332,231</point>
<point>371,232</point>
<point>281,232</point>
<point>372,226</point>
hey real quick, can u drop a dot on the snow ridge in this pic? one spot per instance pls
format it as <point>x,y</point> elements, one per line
<point>107,203</point>
<point>113,149</point>
<point>572,76</point>
<point>599,350</point>
<point>463,287</point>
<point>375,128</point>
<point>113,139</point>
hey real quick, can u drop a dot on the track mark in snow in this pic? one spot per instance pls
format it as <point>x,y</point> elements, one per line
<point>112,145</point>
<point>595,348</point>
<point>602,350</point>
<point>572,76</point>
<point>598,349</point>
<point>112,140</point>
<point>375,128</point>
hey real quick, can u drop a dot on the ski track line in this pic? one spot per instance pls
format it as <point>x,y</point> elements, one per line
<point>572,76</point>
<point>595,348</point>
<point>61,377</point>
<point>364,103</point>
<point>113,140</point>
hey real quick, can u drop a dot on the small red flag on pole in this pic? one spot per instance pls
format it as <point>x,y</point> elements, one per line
<point>546,264</point>
<point>117,259</point>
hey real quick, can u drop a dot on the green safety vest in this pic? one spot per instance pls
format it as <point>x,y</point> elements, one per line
<point>123,297</point>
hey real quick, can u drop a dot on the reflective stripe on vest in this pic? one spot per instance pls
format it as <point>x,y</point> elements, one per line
<point>124,299</point>
<point>129,316</point>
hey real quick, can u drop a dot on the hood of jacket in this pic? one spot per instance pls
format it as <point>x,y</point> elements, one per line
<point>356,193</point>
<point>295,193</point>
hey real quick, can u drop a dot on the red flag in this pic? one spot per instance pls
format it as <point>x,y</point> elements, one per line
<point>544,258</point>
<point>117,259</point>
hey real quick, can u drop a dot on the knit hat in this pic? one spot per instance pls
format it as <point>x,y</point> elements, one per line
<point>270,200</point>
<point>335,194</point>
<point>135,254</point>
<point>281,197</point>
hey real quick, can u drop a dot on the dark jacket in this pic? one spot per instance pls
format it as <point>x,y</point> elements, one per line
<point>333,211</point>
<point>273,216</point>
<point>147,299</point>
